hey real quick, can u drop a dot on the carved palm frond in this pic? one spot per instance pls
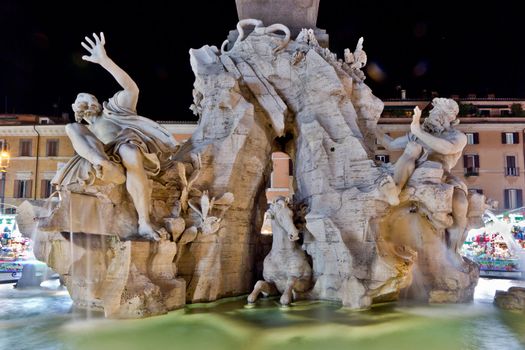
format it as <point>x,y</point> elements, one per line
<point>205,205</point>
<point>192,206</point>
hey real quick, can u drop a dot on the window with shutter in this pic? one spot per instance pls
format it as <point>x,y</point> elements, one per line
<point>52,148</point>
<point>513,198</point>
<point>472,138</point>
<point>25,148</point>
<point>471,164</point>
<point>510,138</point>
<point>45,188</point>
<point>511,168</point>
<point>23,188</point>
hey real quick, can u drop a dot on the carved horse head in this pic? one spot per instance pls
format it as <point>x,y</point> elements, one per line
<point>282,218</point>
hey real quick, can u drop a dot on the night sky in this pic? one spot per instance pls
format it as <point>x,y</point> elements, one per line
<point>416,45</point>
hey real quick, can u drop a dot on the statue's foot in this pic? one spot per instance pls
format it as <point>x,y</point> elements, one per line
<point>110,172</point>
<point>252,298</point>
<point>285,299</point>
<point>146,231</point>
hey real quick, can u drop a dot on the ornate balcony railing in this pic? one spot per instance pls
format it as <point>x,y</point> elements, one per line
<point>512,171</point>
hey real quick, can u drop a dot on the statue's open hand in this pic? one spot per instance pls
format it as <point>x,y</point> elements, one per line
<point>96,49</point>
<point>415,126</point>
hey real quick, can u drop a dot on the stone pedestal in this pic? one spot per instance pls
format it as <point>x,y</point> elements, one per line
<point>122,279</point>
<point>295,14</point>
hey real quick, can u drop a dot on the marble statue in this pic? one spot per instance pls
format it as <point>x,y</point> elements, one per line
<point>435,140</point>
<point>286,269</point>
<point>118,145</point>
<point>163,224</point>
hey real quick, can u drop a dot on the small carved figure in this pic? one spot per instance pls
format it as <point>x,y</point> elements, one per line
<point>360,57</point>
<point>356,61</point>
<point>285,268</point>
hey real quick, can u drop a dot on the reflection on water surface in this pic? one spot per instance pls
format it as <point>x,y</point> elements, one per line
<point>44,319</point>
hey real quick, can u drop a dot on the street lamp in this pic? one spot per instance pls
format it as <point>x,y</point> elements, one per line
<point>4,163</point>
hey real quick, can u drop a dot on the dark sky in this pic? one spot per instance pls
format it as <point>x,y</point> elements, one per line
<point>418,45</point>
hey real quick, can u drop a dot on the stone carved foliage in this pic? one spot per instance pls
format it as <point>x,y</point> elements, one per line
<point>194,211</point>
<point>209,224</point>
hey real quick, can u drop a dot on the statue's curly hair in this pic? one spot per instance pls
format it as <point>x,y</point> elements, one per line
<point>87,110</point>
<point>444,110</point>
<point>448,106</point>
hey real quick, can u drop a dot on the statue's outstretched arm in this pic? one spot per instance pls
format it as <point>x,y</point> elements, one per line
<point>453,144</point>
<point>390,143</point>
<point>97,54</point>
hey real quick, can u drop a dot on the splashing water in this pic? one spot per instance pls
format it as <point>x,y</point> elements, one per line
<point>505,229</point>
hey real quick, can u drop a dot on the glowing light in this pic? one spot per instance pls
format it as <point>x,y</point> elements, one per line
<point>375,72</point>
<point>4,160</point>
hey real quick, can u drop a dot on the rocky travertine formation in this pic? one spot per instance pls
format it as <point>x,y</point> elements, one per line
<point>513,299</point>
<point>331,117</point>
<point>316,94</point>
<point>365,227</point>
<point>113,271</point>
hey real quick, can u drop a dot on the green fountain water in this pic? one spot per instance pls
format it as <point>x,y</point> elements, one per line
<point>43,319</point>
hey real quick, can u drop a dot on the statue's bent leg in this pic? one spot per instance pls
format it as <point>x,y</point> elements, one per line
<point>261,287</point>
<point>286,298</point>
<point>89,147</point>
<point>139,188</point>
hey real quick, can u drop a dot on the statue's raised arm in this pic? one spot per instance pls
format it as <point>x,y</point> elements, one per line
<point>97,54</point>
<point>442,138</point>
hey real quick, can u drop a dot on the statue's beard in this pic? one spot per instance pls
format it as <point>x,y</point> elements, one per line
<point>432,127</point>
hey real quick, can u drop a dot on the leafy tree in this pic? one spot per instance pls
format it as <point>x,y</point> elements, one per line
<point>467,110</point>
<point>516,109</point>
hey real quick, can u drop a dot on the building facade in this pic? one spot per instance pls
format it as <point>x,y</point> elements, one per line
<point>493,161</point>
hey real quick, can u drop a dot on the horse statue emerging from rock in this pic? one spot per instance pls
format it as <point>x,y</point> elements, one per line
<point>286,269</point>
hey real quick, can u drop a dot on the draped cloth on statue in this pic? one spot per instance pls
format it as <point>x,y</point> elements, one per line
<point>155,143</point>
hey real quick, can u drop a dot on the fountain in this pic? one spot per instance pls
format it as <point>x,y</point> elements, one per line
<point>144,225</point>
